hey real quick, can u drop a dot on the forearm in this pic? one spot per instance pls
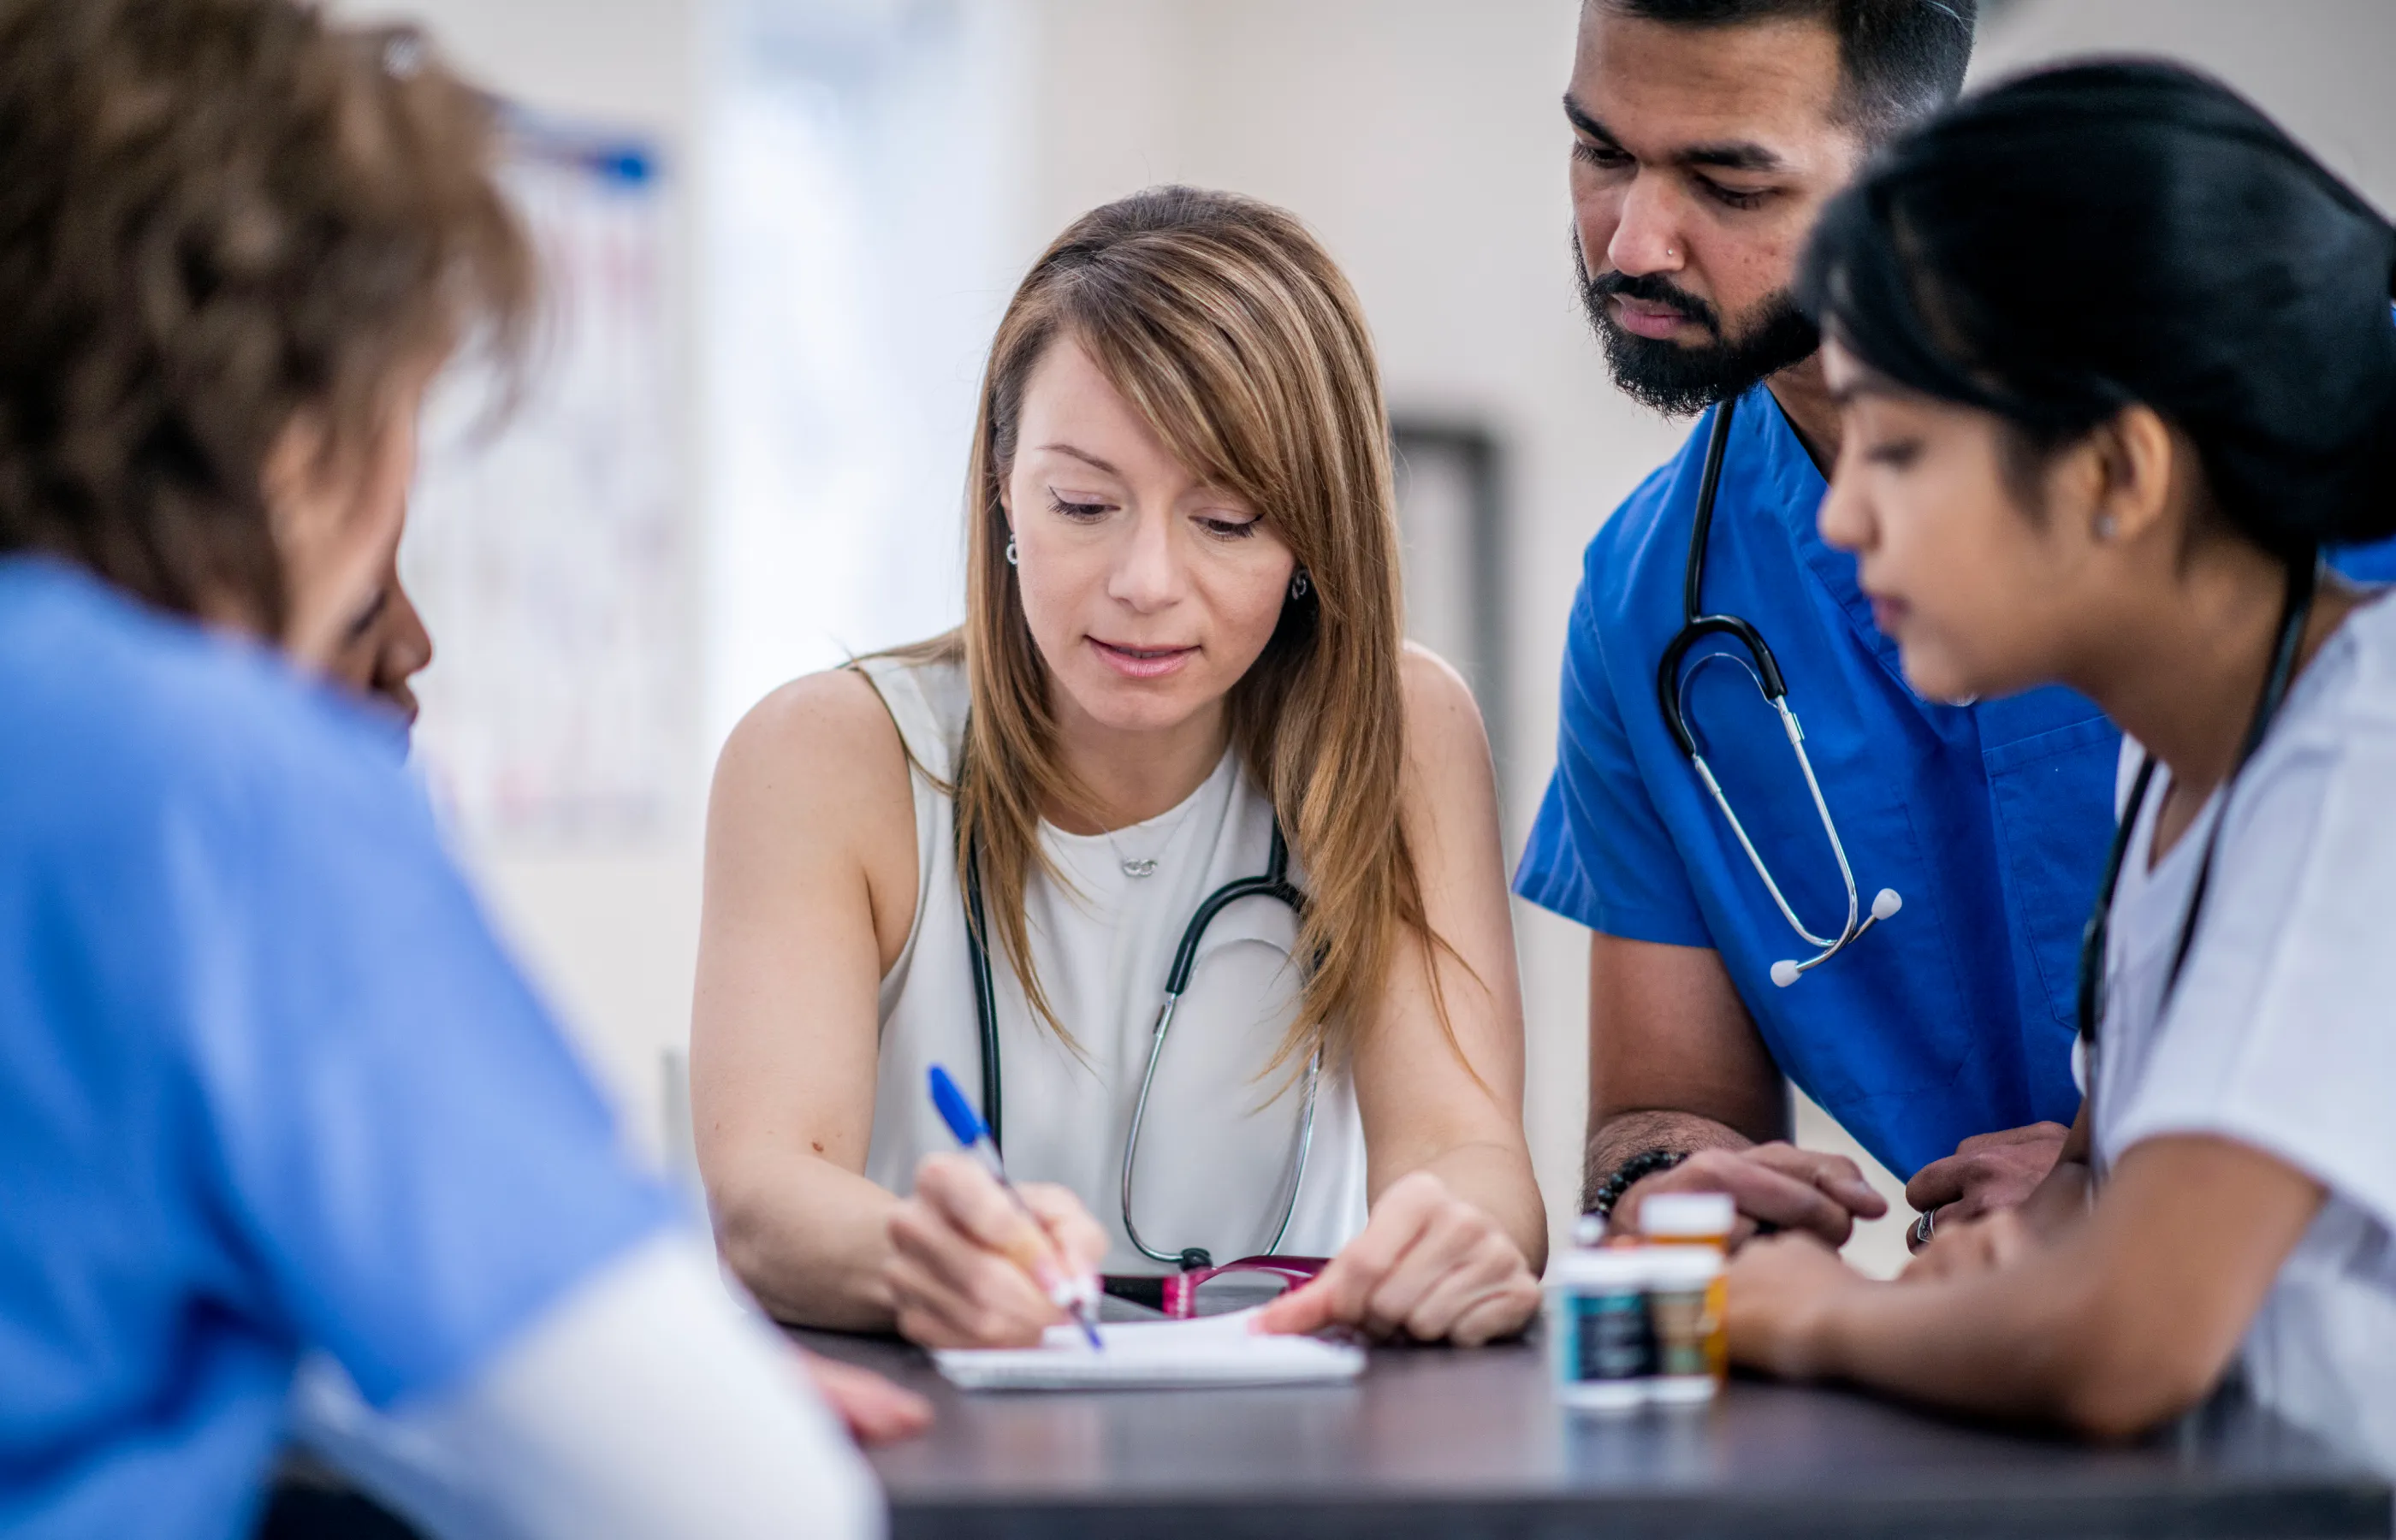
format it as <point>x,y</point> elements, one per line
<point>2005,1343</point>
<point>810,1242</point>
<point>1675,1062</point>
<point>641,1403</point>
<point>2065,1335</point>
<point>1617,1138</point>
<point>1496,1178</point>
<point>2059,1200</point>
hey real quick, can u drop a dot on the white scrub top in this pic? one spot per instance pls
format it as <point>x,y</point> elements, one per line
<point>2282,1032</point>
<point>1219,1144</point>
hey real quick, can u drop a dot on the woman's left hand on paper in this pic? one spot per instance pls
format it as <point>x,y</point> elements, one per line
<point>1427,1266</point>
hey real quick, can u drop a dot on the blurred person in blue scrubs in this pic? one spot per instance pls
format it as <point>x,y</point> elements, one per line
<point>268,1085</point>
<point>378,655</point>
<point>1707,136</point>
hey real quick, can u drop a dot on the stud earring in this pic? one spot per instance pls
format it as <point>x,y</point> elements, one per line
<point>2105,526</point>
<point>1010,551</point>
<point>1298,585</point>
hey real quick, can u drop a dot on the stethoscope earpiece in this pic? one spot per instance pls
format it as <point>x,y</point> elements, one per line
<point>1886,903</point>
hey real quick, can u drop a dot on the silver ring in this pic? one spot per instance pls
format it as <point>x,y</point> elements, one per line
<point>1923,1226</point>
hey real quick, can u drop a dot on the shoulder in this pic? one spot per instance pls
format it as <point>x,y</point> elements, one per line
<point>814,791</point>
<point>1447,745</point>
<point>2326,764</point>
<point>143,712</point>
<point>1654,516</point>
<point>1632,568</point>
<point>823,740</point>
<point>2346,698</point>
<point>1437,699</point>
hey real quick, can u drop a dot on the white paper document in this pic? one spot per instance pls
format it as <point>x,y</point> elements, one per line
<point>1145,1355</point>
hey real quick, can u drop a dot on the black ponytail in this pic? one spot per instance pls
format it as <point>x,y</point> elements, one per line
<point>2087,237</point>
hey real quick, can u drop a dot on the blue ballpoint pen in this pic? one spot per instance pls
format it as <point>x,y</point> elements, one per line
<point>1076,1296</point>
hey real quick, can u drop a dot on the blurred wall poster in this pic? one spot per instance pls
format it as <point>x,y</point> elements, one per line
<point>544,545</point>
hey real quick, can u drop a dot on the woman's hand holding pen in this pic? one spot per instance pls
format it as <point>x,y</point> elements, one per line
<point>1428,1266</point>
<point>954,1274</point>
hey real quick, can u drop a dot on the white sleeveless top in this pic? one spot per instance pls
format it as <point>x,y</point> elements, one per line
<point>1220,1143</point>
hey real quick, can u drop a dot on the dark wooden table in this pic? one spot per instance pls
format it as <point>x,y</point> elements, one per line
<point>1434,1441</point>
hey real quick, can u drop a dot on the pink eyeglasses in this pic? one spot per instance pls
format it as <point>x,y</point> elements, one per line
<point>1176,1294</point>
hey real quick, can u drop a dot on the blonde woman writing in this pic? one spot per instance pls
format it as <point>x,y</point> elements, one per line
<point>1181,669</point>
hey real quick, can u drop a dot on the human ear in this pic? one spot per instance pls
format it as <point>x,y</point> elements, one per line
<point>292,483</point>
<point>2134,461</point>
<point>332,525</point>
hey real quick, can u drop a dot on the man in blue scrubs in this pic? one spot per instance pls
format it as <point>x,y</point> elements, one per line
<point>1707,134</point>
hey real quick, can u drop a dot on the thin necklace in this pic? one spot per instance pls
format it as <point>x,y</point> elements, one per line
<point>1146,866</point>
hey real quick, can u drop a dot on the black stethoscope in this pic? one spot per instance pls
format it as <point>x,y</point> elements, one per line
<point>2304,581</point>
<point>1671,690</point>
<point>1273,884</point>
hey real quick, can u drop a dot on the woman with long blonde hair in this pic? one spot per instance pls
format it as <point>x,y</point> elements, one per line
<point>1180,667</point>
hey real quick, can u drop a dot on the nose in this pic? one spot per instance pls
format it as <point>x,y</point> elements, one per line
<point>409,648</point>
<point>1845,517</point>
<point>1148,574</point>
<point>1647,231</point>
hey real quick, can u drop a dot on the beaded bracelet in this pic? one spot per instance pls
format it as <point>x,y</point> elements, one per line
<point>1647,1162</point>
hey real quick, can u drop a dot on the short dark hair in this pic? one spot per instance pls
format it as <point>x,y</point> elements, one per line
<point>216,214</point>
<point>1900,61</point>
<point>2100,235</point>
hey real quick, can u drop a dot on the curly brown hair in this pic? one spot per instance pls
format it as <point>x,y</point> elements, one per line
<point>216,214</point>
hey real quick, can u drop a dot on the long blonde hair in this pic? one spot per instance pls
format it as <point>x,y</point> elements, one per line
<point>1232,334</point>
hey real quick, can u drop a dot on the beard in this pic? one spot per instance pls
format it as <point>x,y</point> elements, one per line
<point>1681,380</point>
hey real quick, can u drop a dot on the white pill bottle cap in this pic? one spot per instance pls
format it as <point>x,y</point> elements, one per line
<point>1688,1216</point>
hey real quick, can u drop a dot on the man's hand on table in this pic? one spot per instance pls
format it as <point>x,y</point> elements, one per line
<point>1775,1185</point>
<point>1987,1173</point>
<point>1979,1246</point>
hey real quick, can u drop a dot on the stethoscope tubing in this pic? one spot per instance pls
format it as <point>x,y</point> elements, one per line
<point>1672,684</point>
<point>2304,579</point>
<point>1274,884</point>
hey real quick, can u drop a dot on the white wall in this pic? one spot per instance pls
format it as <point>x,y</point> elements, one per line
<point>1421,138</point>
<point>610,929</point>
<point>2320,66</point>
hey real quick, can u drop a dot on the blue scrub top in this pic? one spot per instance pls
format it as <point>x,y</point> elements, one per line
<point>1956,1017</point>
<point>267,1083</point>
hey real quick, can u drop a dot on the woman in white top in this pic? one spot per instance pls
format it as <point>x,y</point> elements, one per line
<point>2115,360</point>
<point>1181,666</point>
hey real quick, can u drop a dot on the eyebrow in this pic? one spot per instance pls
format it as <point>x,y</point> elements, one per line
<point>1867,382</point>
<point>1082,455</point>
<point>1727,155</point>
